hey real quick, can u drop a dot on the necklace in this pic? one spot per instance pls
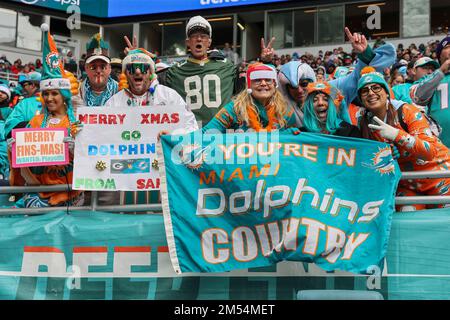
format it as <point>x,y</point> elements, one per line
<point>255,124</point>
<point>138,101</point>
<point>99,98</point>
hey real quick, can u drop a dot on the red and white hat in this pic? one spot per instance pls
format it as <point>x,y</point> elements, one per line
<point>260,71</point>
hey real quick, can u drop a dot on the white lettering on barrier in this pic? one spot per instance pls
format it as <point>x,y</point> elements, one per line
<point>84,257</point>
<point>55,261</point>
<point>126,257</point>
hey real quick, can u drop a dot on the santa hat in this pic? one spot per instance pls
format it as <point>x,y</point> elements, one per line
<point>260,71</point>
<point>52,68</point>
<point>139,56</point>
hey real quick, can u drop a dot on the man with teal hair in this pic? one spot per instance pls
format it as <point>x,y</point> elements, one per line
<point>295,76</point>
<point>99,86</point>
<point>321,112</point>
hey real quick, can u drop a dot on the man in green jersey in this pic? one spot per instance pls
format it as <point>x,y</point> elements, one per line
<point>433,91</point>
<point>207,83</point>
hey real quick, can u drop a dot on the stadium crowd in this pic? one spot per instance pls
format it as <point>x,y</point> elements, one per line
<point>379,92</point>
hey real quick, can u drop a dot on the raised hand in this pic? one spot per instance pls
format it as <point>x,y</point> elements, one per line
<point>130,46</point>
<point>162,133</point>
<point>385,130</point>
<point>75,128</point>
<point>359,41</point>
<point>267,52</point>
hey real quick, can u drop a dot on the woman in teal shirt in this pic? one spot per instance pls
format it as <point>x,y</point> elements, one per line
<point>260,107</point>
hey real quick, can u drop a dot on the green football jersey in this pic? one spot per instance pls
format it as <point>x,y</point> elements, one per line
<point>439,108</point>
<point>206,86</point>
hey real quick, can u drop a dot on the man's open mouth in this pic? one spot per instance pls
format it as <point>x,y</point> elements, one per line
<point>138,80</point>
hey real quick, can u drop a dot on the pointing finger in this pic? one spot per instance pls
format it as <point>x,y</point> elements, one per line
<point>263,45</point>
<point>348,33</point>
<point>271,42</point>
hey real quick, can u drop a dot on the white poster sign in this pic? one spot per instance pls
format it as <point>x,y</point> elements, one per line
<point>116,149</point>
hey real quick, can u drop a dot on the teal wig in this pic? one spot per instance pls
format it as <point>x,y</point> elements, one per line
<point>312,123</point>
<point>67,96</point>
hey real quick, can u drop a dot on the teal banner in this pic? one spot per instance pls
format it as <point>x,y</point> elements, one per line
<point>105,256</point>
<point>246,200</point>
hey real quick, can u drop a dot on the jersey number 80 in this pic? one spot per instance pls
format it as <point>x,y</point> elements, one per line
<point>194,97</point>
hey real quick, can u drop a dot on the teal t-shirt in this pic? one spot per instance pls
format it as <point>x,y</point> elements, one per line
<point>401,92</point>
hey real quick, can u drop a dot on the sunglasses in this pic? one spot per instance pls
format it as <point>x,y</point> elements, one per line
<point>302,84</point>
<point>132,67</point>
<point>259,81</point>
<point>375,89</point>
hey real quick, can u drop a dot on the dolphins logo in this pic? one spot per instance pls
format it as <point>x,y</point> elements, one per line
<point>193,156</point>
<point>383,162</point>
<point>52,60</point>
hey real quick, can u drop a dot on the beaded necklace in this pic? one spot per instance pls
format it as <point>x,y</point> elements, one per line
<point>134,101</point>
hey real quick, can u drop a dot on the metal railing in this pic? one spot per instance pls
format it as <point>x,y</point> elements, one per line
<point>157,208</point>
<point>9,76</point>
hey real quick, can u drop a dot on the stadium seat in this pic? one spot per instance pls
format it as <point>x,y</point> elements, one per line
<point>338,295</point>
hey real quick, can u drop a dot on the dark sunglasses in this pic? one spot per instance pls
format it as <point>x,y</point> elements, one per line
<point>375,89</point>
<point>132,67</point>
<point>304,83</point>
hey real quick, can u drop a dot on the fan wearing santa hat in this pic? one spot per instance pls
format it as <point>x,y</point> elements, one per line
<point>260,107</point>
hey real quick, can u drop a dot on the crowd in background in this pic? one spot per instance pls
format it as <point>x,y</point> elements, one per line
<point>322,63</point>
<point>312,96</point>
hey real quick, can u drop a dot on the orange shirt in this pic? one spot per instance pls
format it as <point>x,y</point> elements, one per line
<point>419,149</point>
<point>50,175</point>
